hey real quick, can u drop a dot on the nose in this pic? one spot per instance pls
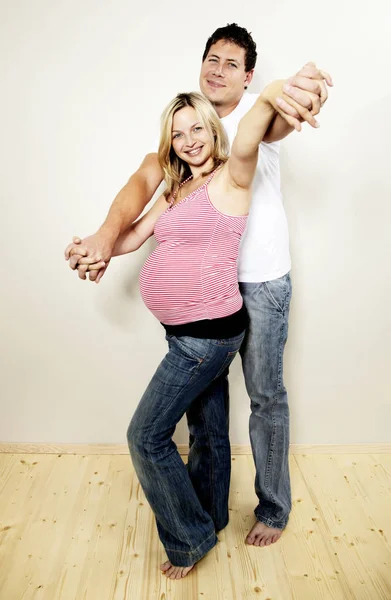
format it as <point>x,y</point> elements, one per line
<point>189,142</point>
<point>218,70</point>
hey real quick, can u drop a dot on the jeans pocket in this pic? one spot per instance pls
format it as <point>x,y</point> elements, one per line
<point>194,348</point>
<point>278,292</point>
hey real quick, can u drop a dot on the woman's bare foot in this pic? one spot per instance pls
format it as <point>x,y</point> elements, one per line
<point>174,572</point>
<point>262,535</point>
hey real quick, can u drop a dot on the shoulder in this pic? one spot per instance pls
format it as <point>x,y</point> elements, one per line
<point>247,101</point>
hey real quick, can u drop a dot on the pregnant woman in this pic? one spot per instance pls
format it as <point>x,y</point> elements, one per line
<point>190,284</point>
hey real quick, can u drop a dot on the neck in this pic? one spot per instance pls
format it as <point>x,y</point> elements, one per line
<point>198,171</point>
<point>223,110</point>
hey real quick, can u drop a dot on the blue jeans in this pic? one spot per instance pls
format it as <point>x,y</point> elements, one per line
<point>262,357</point>
<point>190,502</point>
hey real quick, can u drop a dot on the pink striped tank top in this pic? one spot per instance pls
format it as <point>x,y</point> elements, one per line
<point>192,274</point>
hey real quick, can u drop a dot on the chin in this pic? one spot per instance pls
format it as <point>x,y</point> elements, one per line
<point>197,161</point>
<point>215,95</point>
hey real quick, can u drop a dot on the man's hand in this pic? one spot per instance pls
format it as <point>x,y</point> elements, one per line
<point>307,89</point>
<point>89,253</point>
<point>274,95</point>
<point>94,252</point>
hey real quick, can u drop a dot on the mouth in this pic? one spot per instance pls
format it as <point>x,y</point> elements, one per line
<point>195,151</point>
<point>214,84</point>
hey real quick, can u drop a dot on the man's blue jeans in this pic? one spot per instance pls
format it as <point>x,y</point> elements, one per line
<point>190,502</point>
<point>262,353</point>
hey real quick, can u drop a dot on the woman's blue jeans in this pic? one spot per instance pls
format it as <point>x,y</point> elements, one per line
<point>190,502</point>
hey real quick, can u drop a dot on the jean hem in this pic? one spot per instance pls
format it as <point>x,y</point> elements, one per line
<point>186,559</point>
<point>270,522</point>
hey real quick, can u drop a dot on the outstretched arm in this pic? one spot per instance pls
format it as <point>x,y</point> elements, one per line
<point>129,241</point>
<point>126,207</point>
<point>252,129</point>
<point>140,231</point>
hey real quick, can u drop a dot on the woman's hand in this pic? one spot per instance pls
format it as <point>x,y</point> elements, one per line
<point>276,94</point>
<point>301,97</point>
<point>76,253</point>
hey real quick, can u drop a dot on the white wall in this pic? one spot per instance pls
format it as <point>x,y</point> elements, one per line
<point>83,85</point>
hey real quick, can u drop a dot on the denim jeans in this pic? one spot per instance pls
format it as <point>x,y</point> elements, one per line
<point>262,352</point>
<point>189,502</point>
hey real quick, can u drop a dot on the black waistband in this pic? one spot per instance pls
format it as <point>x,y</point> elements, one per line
<point>222,328</point>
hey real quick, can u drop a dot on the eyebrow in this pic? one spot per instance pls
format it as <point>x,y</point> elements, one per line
<point>228,59</point>
<point>179,131</point>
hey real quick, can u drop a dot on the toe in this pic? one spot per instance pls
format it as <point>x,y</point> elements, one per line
<point>169,572</point>
<point>165,566</point>
<point>262,541</point>
<point>258,541</point>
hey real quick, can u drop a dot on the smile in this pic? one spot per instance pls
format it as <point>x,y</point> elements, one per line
<point>214,84</point>
<point>195,151</point>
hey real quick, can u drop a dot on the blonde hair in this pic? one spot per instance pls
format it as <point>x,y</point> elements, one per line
<point>175,169</point>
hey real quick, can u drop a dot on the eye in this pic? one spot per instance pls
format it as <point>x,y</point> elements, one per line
<point>198,128</point>
<point>176,136</point>
<point>233,65</point>
<point>212,60</point>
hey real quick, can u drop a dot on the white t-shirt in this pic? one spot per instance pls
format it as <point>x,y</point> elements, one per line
<point>264,251</point>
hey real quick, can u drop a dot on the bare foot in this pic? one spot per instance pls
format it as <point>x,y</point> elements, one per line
<point>174,572</point>
<point>262,535</point>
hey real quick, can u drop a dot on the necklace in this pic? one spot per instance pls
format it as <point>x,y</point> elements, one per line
<point>173,197</point>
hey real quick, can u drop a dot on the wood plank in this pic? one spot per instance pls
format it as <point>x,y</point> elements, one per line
<point>364,555</point>
<point>20,501</point>
<point>79,527</point>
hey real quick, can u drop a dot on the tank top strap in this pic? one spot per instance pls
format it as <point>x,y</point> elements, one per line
<point>211,175</point>
<point>204,185</point>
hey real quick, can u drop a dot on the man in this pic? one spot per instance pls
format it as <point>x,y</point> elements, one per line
<point>227,69</point>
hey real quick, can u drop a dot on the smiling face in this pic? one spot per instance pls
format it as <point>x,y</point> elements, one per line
<point>191,141</point>
<point>223,77</point>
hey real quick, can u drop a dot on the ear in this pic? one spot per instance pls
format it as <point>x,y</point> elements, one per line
<point>248,78</point>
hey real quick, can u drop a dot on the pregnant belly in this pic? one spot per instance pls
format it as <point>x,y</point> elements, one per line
<point>169,284</point>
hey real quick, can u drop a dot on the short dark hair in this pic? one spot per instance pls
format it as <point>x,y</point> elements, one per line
<point>236,35</point>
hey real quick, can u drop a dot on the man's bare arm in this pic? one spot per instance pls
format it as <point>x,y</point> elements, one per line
<point>126,207</point>
<point>133,197</point>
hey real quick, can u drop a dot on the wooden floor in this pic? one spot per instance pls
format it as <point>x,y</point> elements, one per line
<point>78,527</point>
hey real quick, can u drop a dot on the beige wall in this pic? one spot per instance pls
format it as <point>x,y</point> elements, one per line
<point>83,87</point>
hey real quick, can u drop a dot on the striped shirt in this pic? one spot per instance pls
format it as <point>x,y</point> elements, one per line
<point>192,274</point>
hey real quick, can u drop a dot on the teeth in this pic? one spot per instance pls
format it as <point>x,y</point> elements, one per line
<point>192,152</point>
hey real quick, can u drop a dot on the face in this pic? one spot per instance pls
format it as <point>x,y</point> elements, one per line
<point>223,77</point>
<point>190,140</point>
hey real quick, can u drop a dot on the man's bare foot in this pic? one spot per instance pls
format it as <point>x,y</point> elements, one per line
<point>262,535</point>
<point>174,572</point>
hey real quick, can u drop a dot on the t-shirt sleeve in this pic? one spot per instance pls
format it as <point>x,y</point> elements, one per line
<point>274,147</point>
<point>269,155</point>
